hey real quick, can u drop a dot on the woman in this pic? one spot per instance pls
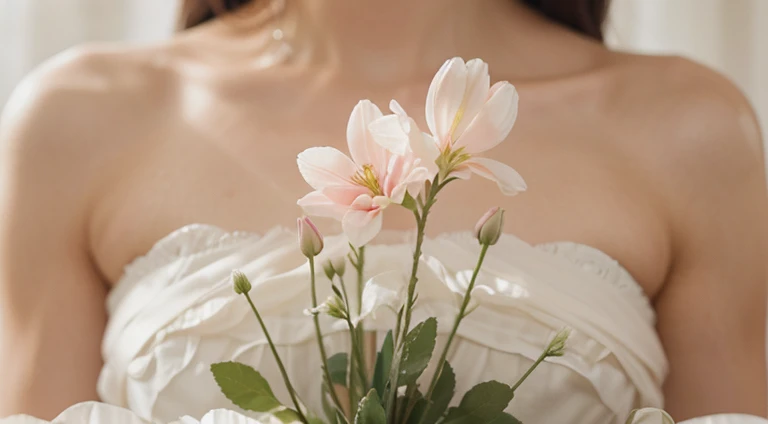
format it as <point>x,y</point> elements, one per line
<point>655,162</point>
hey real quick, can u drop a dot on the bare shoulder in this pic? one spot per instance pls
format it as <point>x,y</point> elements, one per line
<point>688,123</point>
<point>75,92</point>
<point>70,122</point>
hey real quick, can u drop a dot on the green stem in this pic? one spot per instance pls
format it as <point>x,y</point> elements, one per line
<point>456,323</point>
<point>319,335</point>
<point>280,365</point>
<point>357,348</point>
<point>530,370</point>
<point>421,223</point>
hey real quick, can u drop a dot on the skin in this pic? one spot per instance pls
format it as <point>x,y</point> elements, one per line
<point>106,149</point>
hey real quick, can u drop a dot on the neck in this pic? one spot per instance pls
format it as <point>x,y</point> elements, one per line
<point>394,39</point>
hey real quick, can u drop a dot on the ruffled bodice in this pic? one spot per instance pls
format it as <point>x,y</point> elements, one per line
<point>174,313</point>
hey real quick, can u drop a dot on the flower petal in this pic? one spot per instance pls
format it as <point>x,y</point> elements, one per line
<point>362,222</point>
<point>445,96</point>
<point>413,184</point>
<point>362,147</point>
<point>478,84</point>
<point>325,166</point>
<point>494,121</point>
<point>318,204</point>
<point>389,133</point>
<point>387,289</point>
<point>426,149</point>
<point>510,181</point>
<point>344,195</point>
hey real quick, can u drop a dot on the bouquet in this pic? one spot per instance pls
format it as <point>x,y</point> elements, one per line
<point>392,163</point>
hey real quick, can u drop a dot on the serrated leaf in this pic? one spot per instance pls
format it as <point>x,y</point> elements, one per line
<point>337,367</point>
<point>244,386</point>
<point>370,410</point>
<point>442,395</point>
<point>482,404</point>
<point>383,364</point>
<point>505,418</point>
<point>417,351</point>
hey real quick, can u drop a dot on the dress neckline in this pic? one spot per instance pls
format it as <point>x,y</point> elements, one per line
<point>198,238</point>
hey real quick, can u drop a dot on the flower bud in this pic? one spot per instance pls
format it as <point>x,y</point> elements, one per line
<point>333,307</point>
<point>242,285</point>
<point>557,345</point>
<point>310,239</point>
<point>328,270</point>
<point>339,265</point>
<point>489,228</point>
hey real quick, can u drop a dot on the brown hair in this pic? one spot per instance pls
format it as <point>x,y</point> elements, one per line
<point>584,16</point>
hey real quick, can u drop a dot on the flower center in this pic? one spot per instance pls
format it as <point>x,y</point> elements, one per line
<point>367,178</point>
<point>450,159</point>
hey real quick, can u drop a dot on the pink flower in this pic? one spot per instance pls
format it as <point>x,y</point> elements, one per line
<point>467,117</point>
<point>356,191</point>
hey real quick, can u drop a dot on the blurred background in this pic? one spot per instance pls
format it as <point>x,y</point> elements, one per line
<point>728,35</point>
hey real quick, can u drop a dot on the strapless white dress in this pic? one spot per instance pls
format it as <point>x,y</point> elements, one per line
<point>174,313</point>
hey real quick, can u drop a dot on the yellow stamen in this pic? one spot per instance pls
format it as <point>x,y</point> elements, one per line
<point>366,177</point>
<point>457,120</point>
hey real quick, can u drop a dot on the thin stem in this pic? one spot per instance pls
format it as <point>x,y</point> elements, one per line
<point>530,370</point>
<point>456,323</point>
<point>280,365</point>
<point>356,342</point>
<point>421,223</point>
<point>319,335</point>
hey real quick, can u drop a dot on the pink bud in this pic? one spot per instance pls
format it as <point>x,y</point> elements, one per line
<point>490,226</point>
<point>310,239</point>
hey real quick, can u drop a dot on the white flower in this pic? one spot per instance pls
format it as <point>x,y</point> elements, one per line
<point>384,290</point>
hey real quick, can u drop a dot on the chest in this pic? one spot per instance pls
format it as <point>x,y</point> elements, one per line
<point>233,164</point>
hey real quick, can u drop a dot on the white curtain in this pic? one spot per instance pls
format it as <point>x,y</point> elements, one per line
<point>729,35</point>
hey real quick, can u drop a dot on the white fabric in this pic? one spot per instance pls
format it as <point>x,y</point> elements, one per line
<point>175,312</point>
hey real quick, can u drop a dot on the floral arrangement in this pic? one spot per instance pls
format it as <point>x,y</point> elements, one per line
<point>392,163</point>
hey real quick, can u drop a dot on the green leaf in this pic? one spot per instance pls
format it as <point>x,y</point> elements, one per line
<point>483,403</point>
<point>287,416</point>
<point>417,350</point>
<point>244,386</point>
<point>337,367</point>
<point>442,395</point>
<point>370,410</point>
<point>505,418</point>
<point>383,364</point>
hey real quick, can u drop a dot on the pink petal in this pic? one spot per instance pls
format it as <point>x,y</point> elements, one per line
<point>494,121</point>
<point>395,107</point>
<point>413,183</point>
<point>361,226</point>
<point>317,204</point>
<point>344,195</point>
<point>390,133</point>
<point>395,170</point>
<point>426,149</point>
<point>362,147</point>
<point>445,96</point>
<point>509,181</point>
<point>325,166</point>
<point>478,84</point>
